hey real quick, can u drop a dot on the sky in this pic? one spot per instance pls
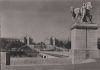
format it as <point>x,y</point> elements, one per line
<point>41,19</point>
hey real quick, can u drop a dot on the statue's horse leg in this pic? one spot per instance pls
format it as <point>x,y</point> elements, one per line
<point>83,18</point>
<point>77,12</point>
<point>90,18</point>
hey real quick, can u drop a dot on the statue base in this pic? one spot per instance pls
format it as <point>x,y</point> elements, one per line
<point>84,42</point>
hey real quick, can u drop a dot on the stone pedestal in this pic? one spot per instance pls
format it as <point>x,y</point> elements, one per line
<point>84,42</point>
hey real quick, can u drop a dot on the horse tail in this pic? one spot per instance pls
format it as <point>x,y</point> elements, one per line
<point>73,12</point>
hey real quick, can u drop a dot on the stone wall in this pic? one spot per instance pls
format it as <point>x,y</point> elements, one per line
<point>5,58</point>
<point>40,61</point>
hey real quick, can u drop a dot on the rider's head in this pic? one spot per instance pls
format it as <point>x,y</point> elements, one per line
<point>84,5</point>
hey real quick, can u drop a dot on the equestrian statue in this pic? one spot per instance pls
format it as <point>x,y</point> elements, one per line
<point>82,14</point>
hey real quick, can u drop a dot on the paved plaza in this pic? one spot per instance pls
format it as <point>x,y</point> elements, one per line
<point>87,66</point>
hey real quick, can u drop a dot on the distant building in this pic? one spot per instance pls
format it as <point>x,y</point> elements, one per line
<point>50,41</point>
<point>28,40</point>
<point>47,41</point>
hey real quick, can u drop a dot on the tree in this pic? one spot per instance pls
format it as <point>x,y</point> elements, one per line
<point>3,44</point>
<point>68,45</point>
<point>59,43</point>
<point>14,44</point>
<point>25,40</point>
<point>98,44</point>
<point>56,42</point>
<point>51,41</point>
<point>31,40</point>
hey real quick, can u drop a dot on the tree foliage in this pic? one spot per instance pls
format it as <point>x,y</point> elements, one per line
<point>63,44</point>
<point>14,44</point>
<point>3,44</point>
<point>98,44</point>
<point>8,45</point>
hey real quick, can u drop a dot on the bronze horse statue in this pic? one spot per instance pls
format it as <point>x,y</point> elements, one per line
<point>82,14</point>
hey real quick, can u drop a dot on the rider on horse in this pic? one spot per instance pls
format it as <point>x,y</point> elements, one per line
<point>82,14</point>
